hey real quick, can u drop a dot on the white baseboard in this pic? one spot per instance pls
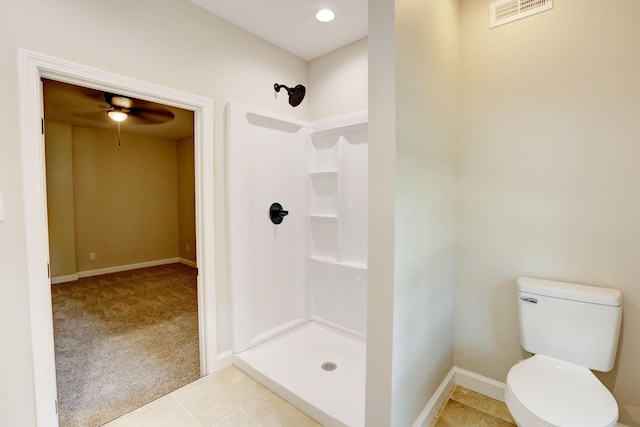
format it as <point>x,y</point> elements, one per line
<point>187,262</point>
<point>480,384</point>
<point>64,279</point>
<point>438,400</point>
<point>224,359</point>
<point>120,268</point>
<point>457,376</point>
<point>467,379</point>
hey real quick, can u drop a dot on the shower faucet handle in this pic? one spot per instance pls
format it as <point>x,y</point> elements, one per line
<point>277,213</point>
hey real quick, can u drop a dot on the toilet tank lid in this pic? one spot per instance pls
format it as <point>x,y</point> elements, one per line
<point>571,291</point>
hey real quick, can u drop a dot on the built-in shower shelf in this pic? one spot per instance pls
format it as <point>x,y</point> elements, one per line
<point>320,173</point>
<point>360,265</point>
<point>324,259</point>
<point>324,216</point>
<point>328,260</point>
<point>333,133</point>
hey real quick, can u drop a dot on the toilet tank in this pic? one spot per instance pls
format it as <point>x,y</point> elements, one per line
<point>576,323</point>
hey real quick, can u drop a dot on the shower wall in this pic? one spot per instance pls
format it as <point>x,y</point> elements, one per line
<point>338,226</point>
<point>267,267</point>
<point>313,265</point>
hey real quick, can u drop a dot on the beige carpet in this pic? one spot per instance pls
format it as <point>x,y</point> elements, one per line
<point>122,340</point>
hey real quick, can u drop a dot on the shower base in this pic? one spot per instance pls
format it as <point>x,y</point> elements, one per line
<point>291,365</point>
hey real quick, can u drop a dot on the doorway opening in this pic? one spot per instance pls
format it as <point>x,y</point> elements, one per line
<point>33,68</point>
<point>121,216</point>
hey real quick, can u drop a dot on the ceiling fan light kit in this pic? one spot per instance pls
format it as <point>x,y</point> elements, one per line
<point>117,115</point>
<point>121,108</point>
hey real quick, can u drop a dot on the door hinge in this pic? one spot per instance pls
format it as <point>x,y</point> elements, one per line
<point>56,403</point>
<point>197,272</point>
<point>42,121</point>
<point>48,271</point>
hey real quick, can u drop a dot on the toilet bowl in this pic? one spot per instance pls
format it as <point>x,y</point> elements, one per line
<point>543,391</point>
<point>571,329</point>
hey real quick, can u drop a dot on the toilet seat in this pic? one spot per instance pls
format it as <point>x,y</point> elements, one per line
<point>543,391</point>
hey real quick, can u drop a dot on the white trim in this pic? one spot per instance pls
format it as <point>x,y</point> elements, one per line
<point>64,279</point>
<point>225,359</point>
<point>37,241</point>
<point>188,262</point>
<point>437,401</point>
<point>480,384</point>
<point>127,267</point>
<point>119,268</point>
<point>467,379</point>
<point>484,385</point>
<point>32,67</point>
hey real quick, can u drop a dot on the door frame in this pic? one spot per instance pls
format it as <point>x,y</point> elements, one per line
<point>32,68</point>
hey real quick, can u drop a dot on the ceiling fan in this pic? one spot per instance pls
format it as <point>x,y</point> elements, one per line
<point>92,105</point>
<point>85,106</point>
<point>120,108</point>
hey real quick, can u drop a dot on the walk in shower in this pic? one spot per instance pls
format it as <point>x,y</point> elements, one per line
<point>299,284</point>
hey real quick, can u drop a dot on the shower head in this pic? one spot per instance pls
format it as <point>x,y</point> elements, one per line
<point>296,94</point>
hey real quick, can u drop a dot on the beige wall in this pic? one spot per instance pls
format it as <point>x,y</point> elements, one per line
<point>62,237</point>
<point>338,81</point>
<point>382,183</point>
<point>186,200</point>
<point>126,196</point>
<point>427,67</point>
<point>413,92</point>
<point>546,184</point>
<point>549,181</point>
<point>128,205</point>
<point>177,45</point>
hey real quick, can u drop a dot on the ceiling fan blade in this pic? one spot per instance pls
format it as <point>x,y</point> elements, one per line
<point>150,115</point>
<point>70,99</point>
<point>64,101</point>
<point>94,116</point>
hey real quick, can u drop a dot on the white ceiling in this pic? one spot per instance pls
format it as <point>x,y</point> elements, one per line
<point>290,24</point>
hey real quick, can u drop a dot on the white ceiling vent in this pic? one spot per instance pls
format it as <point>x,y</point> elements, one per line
<point>504,11</point>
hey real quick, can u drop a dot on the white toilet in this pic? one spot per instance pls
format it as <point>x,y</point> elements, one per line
<point>570,329</point>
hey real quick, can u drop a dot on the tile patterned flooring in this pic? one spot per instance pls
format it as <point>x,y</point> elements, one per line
<point>227,398</point>
<point>466,408</point>
<point>230,398</point>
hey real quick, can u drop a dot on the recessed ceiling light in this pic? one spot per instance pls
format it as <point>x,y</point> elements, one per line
<point>325,15</point>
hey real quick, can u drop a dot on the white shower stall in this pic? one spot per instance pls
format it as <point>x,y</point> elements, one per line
<point>299,288</point>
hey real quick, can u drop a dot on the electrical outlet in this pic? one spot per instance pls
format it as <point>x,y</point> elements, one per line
<point>92,256</point>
